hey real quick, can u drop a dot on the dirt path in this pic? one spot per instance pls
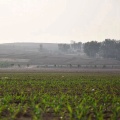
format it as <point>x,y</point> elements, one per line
<point>54,70</point>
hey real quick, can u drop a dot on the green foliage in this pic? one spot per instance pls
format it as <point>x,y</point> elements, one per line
<point>91,48</point>
<point>109,48</point>
<point>55,96</point>
<point>76,46</point>
<point>64,47</point>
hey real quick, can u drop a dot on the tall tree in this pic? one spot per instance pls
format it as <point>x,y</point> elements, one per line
<point>91,48</point>
<point>64,47</point>
<point>118,50</point>
<point>108,48</point>
<point>76,46</point>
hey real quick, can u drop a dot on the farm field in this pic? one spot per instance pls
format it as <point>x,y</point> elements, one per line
<point>39,59</point>
<point>28,55</point>
<point>60,96</point>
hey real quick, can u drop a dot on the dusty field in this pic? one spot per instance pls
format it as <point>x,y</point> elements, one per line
<point>52,59</point>
<point>13,60</point>
<point>58,70</point>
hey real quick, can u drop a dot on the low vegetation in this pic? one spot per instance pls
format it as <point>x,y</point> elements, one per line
<point>55,96</point>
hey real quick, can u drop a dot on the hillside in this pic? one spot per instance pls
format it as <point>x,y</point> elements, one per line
<point>26,54</point>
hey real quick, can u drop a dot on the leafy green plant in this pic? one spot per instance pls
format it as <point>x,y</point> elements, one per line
<point>60,96</point>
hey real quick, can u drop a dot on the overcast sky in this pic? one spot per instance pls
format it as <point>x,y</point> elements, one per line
<point>59,20</point>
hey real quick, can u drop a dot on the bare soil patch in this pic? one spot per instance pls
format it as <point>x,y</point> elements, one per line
<point>54,70</point>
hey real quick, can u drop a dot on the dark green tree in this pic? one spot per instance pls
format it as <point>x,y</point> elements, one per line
<point>109,48</point>
<point>91,48</point>
<point>118,50</point>
<point>76,46</point>
<point>64,47</point>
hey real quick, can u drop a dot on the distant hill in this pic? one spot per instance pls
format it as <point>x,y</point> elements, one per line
<point>25,54</point>
<point>26,47</point>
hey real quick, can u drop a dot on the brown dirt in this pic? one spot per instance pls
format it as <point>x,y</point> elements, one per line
<point>55,70</point>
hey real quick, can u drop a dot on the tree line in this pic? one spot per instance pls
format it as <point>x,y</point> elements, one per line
<point>109,48</point>
<point>70,47</point>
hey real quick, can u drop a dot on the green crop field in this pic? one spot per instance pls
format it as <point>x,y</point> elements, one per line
<point>59,96</point>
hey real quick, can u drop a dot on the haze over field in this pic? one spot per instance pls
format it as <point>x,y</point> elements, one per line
<point>58,21</point>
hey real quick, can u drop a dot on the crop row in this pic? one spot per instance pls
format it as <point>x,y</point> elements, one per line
<point>55,96</point>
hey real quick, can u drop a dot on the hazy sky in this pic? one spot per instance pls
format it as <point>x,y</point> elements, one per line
<point>59,20</point>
